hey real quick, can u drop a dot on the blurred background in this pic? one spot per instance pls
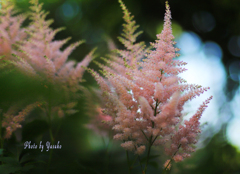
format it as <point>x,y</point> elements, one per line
<point>208,34</point>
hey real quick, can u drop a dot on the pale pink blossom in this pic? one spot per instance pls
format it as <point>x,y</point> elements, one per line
<point>10,29</point>
<point>144,95</point>
<point>140,150</point>
<point>33,51</point>
<point>11,120</point>
<point>128,145</point>
<point>167,165</point>
<point>38,55</point>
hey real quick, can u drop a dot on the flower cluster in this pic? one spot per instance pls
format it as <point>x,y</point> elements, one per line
<point>11,121</point>
<point>33,51</point>
<point>41,57</point>
<point>144,95</point>
<point>10,25</point>
<point>10,34</point>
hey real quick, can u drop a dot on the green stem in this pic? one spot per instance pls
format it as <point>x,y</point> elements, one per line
<point>58,128</point>
<point>154,140</point>
<point>133,162</point>
<point>1,137</point>
<point>129,167</point>
<point>107,153</point>
<point>151,140</point>
<point>50,127</point>
<point>144,135</point>
<point>165,169</point>
<point>139,160</point>
<point>51,150</point>
<point>148,154</point>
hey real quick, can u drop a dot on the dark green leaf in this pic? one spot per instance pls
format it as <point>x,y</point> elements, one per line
<point>27,168</point>
<point>9,160</point>
<point>9,168</point>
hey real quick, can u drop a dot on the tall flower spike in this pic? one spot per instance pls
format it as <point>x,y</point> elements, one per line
<point>134,51</point>
<point>146,98</point>
<point>33,51</point>
<point>10,29</point>
<point>44,56</point>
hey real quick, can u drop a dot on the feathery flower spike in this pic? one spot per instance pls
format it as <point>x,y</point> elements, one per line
<point>145,98</point>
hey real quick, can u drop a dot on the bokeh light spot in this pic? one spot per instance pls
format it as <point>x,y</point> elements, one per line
<point>67,10</point>
<point>203,21</point>
<point>234,46</point>
<point>189,42</point>
<point>70,9</point>
<point>212,50</point>
<point>234,70</point>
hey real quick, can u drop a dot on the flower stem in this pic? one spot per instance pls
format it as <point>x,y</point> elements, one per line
<point>151,140</point>
<point>1,137</point>
<point>50,127</point>
<point>139,160</point>
<point>133,162</point>
<point>129,167</point>
<point>165,169</point>
<point>148,154</point>
<point>107,153</point>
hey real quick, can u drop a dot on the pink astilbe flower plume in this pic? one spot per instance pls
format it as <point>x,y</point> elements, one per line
<point>144,95</point>
<point>10,34</point>
<point>10,31</point>
<point>11,121</point>
<point>40,56</point>
<point>33,51</point>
